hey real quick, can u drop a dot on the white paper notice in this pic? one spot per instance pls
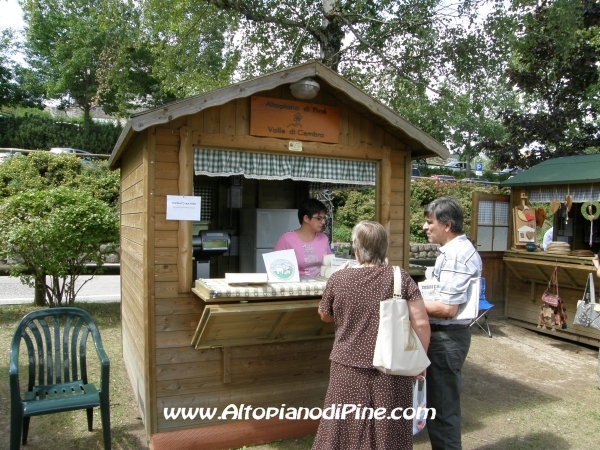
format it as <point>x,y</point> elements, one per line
<point>183,207</point>
<point>282,266</point>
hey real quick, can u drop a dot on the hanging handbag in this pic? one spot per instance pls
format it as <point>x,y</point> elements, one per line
<point>550,296</point>
<point>398,350</point>
<point>419,404</point>
<point>588,311</point>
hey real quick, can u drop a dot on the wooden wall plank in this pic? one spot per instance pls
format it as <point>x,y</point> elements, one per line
<point>132,220</point>
<point>133,206</point>
<point>132,178</point>
<point>132,234</point>
<point>133,248</point>
<point>212,119</point>
<point>133,192</point>
<point>242,116</point>
<point>166,238</point>
<point>154,137</point>
<point>166,187</point>
<point>228,118</point>
<point>165,272</point>
<point>177,322</point>
<point>161,222</point>
<point>196,122</point>
<point>344,126</point>
<point>165,256</point>
<point>167,154</point>
<point>179,305</point>
<point>280,146</point>
<point>165,136</point>
<point>169,289</point>
<point>167,170</point>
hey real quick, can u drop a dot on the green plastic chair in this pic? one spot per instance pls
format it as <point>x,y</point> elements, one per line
<point>56,340</point>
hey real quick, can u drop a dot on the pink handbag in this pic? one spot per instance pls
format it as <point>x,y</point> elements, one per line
<point>550,296</point>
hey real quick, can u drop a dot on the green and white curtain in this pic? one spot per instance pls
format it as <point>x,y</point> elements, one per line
<point>580,193</point>
<point>221,163</point>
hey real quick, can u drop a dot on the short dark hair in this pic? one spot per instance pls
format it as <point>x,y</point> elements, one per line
<point>446,209</point>
<point>370,242</point>
<point>310,207</point>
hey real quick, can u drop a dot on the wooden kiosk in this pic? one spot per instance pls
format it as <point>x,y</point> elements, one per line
<point>574,183</point>
<point>189,345</point>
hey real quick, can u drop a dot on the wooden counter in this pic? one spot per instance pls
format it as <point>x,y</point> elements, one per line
<point>527,278</point>
<point>216,290</point>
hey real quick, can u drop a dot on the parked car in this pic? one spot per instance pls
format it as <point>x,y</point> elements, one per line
<point>6,156</point>
<point>477,180</point>
<point>457,166</point>
<point>444,178</point>
<point>69,150</point>
<point>509,171</point>
<point>81,154</point>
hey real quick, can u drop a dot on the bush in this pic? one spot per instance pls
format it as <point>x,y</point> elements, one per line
<point>358,205</point>
<point>54,233</point>
<point>39,131</point>
<point>45,170</point>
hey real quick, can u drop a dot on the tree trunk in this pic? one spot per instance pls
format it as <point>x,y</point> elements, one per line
<point>332,36</point>
<point>39,295</point>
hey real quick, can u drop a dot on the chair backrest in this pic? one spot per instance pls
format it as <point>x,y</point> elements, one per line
<point>56,340</point>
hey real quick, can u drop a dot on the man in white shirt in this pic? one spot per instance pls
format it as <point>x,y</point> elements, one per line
<point>457,263</point>
<point>547,238</point>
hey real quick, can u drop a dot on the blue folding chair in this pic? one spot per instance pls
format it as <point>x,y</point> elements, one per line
<point>484,307</point>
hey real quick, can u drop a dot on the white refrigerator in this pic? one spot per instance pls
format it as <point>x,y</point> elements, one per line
<point>259,231</point>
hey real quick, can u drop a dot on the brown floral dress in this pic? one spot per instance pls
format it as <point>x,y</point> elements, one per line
<point>352,297</point>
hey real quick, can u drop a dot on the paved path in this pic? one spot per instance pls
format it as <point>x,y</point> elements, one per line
<point>101,288</point>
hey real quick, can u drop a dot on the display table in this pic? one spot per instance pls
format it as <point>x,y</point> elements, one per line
<point>527,279</point>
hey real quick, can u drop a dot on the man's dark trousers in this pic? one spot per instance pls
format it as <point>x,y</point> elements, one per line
<point>447,353</point>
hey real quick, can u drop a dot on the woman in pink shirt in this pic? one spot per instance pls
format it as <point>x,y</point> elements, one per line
<point>308,242</point>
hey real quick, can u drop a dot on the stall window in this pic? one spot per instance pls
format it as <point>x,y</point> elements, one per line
<point>490,223</point>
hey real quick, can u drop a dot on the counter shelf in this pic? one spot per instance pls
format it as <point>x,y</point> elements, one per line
<point>257,314</point>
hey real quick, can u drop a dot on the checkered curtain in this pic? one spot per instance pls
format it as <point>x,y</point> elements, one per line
<point>219,163</point>
<point>580,193</point>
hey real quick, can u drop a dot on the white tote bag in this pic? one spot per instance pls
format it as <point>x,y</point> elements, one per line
<point>398,350</point>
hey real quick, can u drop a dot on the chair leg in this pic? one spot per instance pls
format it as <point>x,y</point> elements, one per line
<point>16,428</point>
<point>25,429</point>
<point>487,326</point>
<point>90,418</point>
<point>105,416</point>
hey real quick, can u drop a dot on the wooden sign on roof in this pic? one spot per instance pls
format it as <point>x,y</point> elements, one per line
<point>289,119</point>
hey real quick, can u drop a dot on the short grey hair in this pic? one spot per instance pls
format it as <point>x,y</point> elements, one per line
<point>370,242</point>
<point>446,210</point>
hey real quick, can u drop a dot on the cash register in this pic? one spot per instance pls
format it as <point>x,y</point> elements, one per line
<point>205,245</point>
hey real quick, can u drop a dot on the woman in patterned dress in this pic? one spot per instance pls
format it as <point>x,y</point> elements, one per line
<point>351,300</point>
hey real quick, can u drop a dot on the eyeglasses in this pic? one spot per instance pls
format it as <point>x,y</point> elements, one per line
<point>320,218</point>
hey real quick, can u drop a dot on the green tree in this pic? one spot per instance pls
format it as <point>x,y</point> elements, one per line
<point>554,68</point>
<point>17,85</point>
<point>64,43</point>
<point>439,64</point>
<point>53,234</point>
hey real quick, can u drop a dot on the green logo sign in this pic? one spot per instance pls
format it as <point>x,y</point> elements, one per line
<point>282,269</point>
